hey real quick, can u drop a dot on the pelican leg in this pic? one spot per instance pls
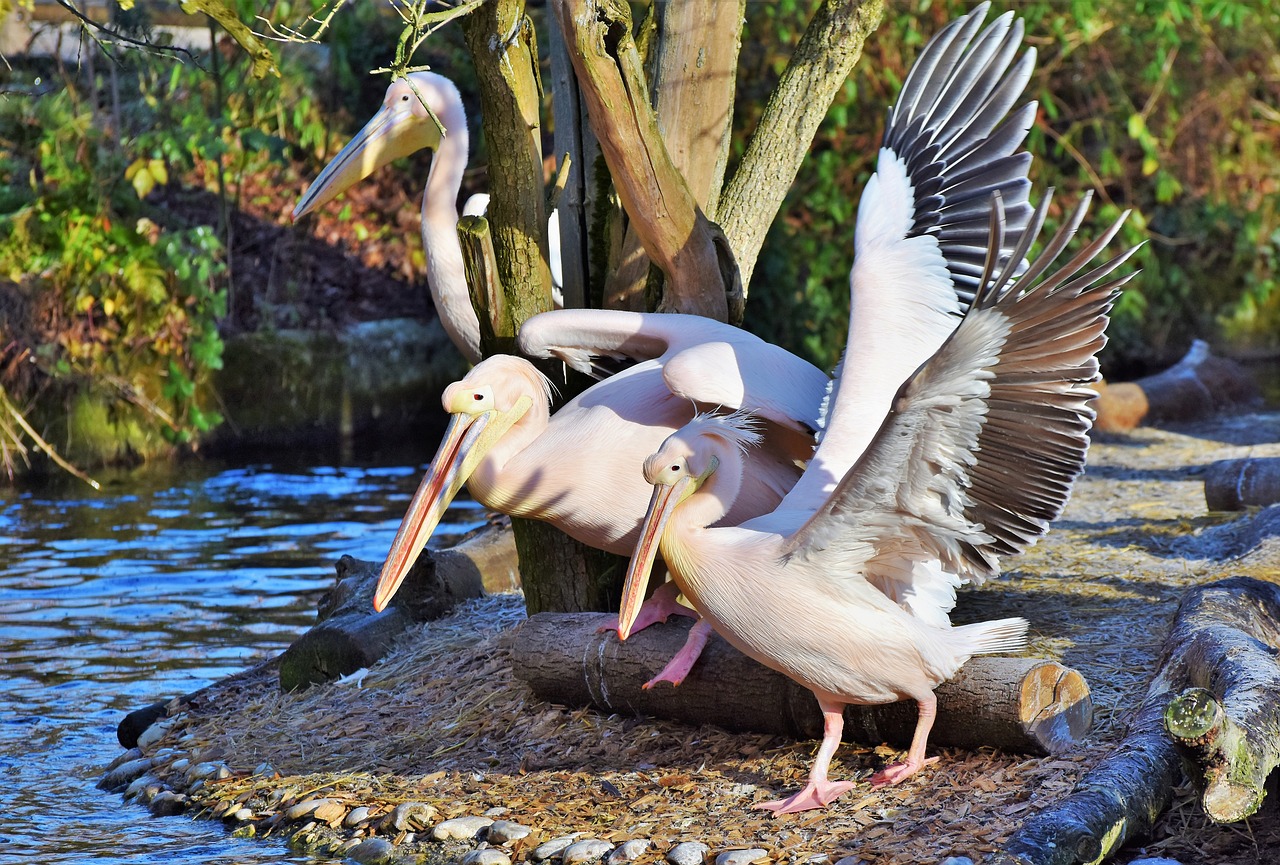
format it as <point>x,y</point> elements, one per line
<point>660,606</point>
<point>819,792</point>
<point>682,661</point>
<point>899,772</point>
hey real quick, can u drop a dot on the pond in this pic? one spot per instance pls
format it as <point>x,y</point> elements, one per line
<point>168,579</point>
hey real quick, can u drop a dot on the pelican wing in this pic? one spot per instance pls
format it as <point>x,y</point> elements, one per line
<point>703,360</point>
<point>984,443</point>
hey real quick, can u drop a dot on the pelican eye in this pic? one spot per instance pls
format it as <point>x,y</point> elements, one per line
<point>675,468</point>
<point>477,396</point>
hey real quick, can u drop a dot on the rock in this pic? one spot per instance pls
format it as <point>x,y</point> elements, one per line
<point>554,847</point>
<point>179,765</point>
<point>497,811</point>
<point>372,851</point>
<point>629,851</point>
<point>688,853</point>
<point>851,860</point>
<point>265,770</point>
<point>356,817</point>
<point>1154,860</point>
<point>505,831</point>
<point>168,803</point>
<point>241,815</point>
<point>127,756</point>
<point>956,860</point>
<point>408,816</point>
<point>486,856</point>
<point>122,775</point>
<point>586,850</point>
<point>460,828</point>
<point>304,809</point>
<point>741,857</point>
<point>154,734</point>
<point>331,812</point>
<point>139,784</point>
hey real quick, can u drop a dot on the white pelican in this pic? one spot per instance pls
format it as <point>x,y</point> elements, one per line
<point>976,456</point>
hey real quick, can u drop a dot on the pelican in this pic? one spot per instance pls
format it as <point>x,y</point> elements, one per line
<point>401,127</point>
<point>977,455</point>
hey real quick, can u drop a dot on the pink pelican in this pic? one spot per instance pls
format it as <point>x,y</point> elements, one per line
<point>947,146</point>
<point>401,127</point>
<point>977,454</point>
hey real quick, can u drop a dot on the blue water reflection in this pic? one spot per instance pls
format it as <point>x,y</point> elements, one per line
<point>166,580</point>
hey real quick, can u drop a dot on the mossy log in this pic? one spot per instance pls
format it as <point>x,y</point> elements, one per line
<point>1216,643</point>
<point>1016,704</point>
<point>1199,385</point>
<point>1233,485</point>
<point>349,635</point>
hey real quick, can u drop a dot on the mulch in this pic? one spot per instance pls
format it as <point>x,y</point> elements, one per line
<point>441,720</point>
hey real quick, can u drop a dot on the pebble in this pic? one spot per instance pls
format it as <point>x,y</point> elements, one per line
<point>688,853</point>
<point>330,812</point>
<point>552,848</point>
<point>741,857</point>
<point>200,771</point>
<point>154,733</point>
<point>460,828</point>
<point>356,817</point>
<point>372,851</point>
<point>497,811</point>
<point>242,815</point>
<point>168,803</point>
<point>139,784</point>
<point>179,765</point>
<point>956,860</point>
<point>124,774</point>
<point>629,851</point>
<point>131,754</point>
<point>408,816</point>
<point>1156,860</point>
<point>486,856</point>
<point>505,831</point>
<point>265,770</point>
<point>304,809</point>
<point>586,850</point>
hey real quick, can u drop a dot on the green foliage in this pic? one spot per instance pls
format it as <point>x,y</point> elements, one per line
<point>1163,106</point>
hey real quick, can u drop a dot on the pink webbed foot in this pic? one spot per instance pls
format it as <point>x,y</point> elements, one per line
<point>814,795</point>
<point>660,606</point>
<point>682,662</point>
<point>899,772</point>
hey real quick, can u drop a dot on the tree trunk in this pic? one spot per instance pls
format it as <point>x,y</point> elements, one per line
<point>1233,485</point>
<point>1223,639</point>
<point>1017,704</point>
<point>823,59</point>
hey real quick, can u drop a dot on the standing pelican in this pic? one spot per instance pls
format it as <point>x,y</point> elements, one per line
<point>401,127</point>
<point>977,455</point>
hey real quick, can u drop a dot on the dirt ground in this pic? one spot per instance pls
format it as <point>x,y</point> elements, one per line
<point>442,721</point>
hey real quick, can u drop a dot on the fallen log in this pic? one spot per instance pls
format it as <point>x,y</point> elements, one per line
<point>1233,485</point>
<point>1123,796</point>
<point>349,635</point>
<point>1015,704</point>
<point>1199,385</point>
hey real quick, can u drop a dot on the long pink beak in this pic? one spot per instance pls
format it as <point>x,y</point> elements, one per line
<point>438,487</point>
<point>661,506</point>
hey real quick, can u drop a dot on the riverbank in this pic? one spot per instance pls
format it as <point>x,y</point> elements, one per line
<point>380,764</point>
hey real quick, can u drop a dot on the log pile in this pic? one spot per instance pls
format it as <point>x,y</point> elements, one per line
<point>1214,691</point>
<point>1233,485</point>
<point>1199,385</point>
<point>1016,704</point>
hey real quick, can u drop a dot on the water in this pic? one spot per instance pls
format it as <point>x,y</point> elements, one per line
<point>168,579</point>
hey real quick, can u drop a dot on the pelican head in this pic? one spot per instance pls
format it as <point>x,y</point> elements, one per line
<point>402,126</point>
<point>482,406</point>
<point>688,458</point>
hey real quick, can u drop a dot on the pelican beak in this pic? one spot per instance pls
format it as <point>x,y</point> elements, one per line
<point>663,503</point>
<point>454,461</point>
<point>393,132</point>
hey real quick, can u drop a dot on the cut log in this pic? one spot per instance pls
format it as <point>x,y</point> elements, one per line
<point>1210,645</point>
<point>1199,385</point>
<point>1016,704</point>
<point>349,635</point>
<point>1233,485</point>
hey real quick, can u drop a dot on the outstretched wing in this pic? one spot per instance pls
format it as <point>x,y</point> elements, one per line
<point>984,443</point>
<point>703,360</point>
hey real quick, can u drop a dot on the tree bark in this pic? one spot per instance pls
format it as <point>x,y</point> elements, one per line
<point>1200,385</point>
<point>678,237</point>
<point>582,578</point>
<point>1219,641</point>
<point>1016,704</point>
<point>823,59</point>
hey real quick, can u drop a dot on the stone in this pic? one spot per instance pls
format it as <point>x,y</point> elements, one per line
<point>179,765</point>
<point>331,811</point>
<point>304,809</point>
<point>629,851</point>
<point>505,831</point>
<point>408,816</point>
<point>956,860</point>
<point>741,857</point>
<point>264,770</point>
<point>851,860</point>
<point>355,817</point>
<point>688,853</point>
<point>554,847</point>
<point>168,803</point>
<point>127,756</point>
<point>372,851</point>
<point>154,733</point>
<point>1154,860</point>
<point>460,828</point>
<point>241,815</point>
<point>139,784</point>
<point>119,778</point>
<point>586,850</point>
<point>487,856</point>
